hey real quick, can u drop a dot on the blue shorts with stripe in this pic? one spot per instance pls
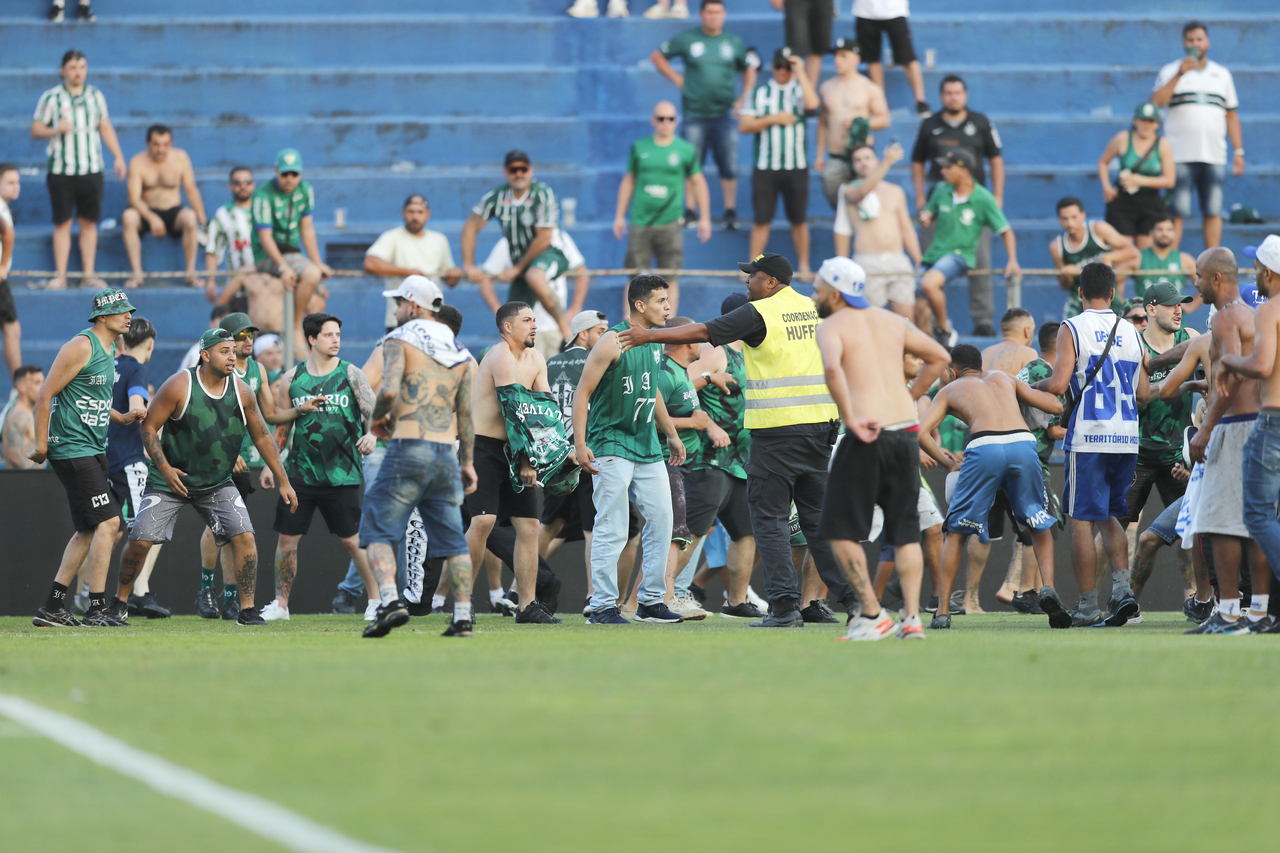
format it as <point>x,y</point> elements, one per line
<point>994,461</point>
<point>1098,485</point>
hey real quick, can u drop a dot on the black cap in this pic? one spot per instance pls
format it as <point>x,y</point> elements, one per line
<point>959,157</point>
<point>846,44</point>
<point>734,301</point>
<point>769,264</point>
<point>516,156</point>
<point>782,57</point>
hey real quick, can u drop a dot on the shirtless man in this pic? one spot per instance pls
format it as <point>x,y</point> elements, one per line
<point>1234,401</point>
<point>845,97</point>
<point>862,349</point>
<point>1001,454</point>
<point>18,430</point>
<point>876,212</point>
<point>156,180</point>
<point>423,407</point>
<point>513,361</point>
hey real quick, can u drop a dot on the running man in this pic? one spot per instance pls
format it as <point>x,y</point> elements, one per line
<point>72,414</point>
<point>325,452</point>
<point>205,413</point>
<point>1000,455</point>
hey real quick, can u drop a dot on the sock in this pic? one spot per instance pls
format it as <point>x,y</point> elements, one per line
<point>462,612</point>
<point>57,599</point>
<point>97,600</point>
<point>1230,608</point>
<point>228,592</point>
<point>388,593</point>
<point>206,578</point>
<point>1089,601</point>
<point>437,601</point>
<point>494,596</point>
<point>1258,607</point>
<point>1120,583</point>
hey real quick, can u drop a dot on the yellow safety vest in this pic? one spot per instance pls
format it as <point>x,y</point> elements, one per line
<point>785,381</point>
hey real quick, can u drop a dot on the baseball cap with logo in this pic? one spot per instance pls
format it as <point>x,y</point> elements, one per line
<point>1267,253</point>
<point>1147,111</point>
<point>289,160</point>
<point>847,277</point>
<point>110,301</point>
<point>237,323</point>
<point>769,264</point>
<point>958,157</point>
<point>213,337</point>
<point>419,290</point>
<point>585,320</point>
<point>1165,293</point>
<point>846,44</point>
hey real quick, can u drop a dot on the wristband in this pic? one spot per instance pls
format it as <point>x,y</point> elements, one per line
<point>1239,152</point>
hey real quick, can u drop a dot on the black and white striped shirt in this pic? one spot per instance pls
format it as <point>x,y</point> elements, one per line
<point>78,152</point>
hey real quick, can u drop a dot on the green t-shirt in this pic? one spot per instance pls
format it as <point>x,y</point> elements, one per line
<point>1149,260</point>
<point>253,376</point>
<point>205,440</point>
<point>681,402</point>
<point>1031,374</point>
<point>520,218</point>
<point>660,172</point>
<point>620,420</point>
<point>564,371</point>
<point>710,66</point>
<point>729,413</point>
<point>323,452</point>
<point>958,223</point>
<point>81,411</point>
<point>281,213</point>
<point>1161,422</point>
<point>954,434</point>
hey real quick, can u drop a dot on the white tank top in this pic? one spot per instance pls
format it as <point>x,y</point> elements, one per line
<point>1106,417</point>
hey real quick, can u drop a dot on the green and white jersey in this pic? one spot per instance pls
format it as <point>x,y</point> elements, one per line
<point>281,213</point>
<point>81,411</point>
<point>1149,260</point>
<point>231,234</point>
<point>78,152</point>
<point>681,402</point>
<point>1031,374</point>
<point>204,441</point>
<point>779,147</point>
<point>620,421</point>
<point>564,371</point>
<point>660,172</point>
<point>959,220</point>
<point>323,450</point>
<point>521,217</point>
<point>253,376</point>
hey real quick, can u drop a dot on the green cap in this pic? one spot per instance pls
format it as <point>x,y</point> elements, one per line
<point>237,323</point>
<point>213,337</point>
<point>1164,293</point>
<point>289,160</point>
<point>1147,111</point>
<point>110,301</point>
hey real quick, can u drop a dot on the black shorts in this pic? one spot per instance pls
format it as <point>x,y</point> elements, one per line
<point>88,490</point>
<point>339,507</point>
<point>794,186</point>
<point>8,311</point>
<point>885,472</point>
<point>75,195</point>
<point>711,493</point>
<point>169,218</point>
<point>808,24</point>
<point>1000,510</point>
<point>579,513</point>
<point>243,481</point>
<point>494,495</point>
<point>679,527</point>
<point>870,33</point>
<point>128,484</point>
<point>1136,213</point>
<point>1144,477</point>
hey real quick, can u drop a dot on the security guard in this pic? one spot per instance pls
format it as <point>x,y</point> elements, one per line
<point>793,423</point>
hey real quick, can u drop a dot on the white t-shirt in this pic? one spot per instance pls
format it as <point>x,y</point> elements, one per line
<point>6,218</point>
<point>1196,120</point>
<point>880,10</point>
<point>868,208</point>
<point>499,261</point>
<point>427,252</point>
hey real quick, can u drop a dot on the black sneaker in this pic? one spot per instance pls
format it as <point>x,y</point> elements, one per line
<point>346,604</point>
<point>1051,604</point>
<point>422,608</point>
<point>1219,624</point>
<point>55,16</point>
<point>207,604</point>
<point>99,617</point>
<point>465,628</point>
<point>1262,626</point>
<point>893,599</point>
<point>816,614</point>
<point>389,616</point>
<point>549,595</point>
<point>957,603</point>
<point>940,622</point>
<point>1272,628</point>
<point>586,608</point>
<point>1080,619</point>
<point>1121,610</point>
<point>657,613</point>
<point>1027,602</point>
<point>250,616</point>
<point>947,337</point>
<point>932,606</point>
<point>535,614</point>
<point>117,610</point>
<point>146,605</point>
<point>607,616</point>
<point>85,13</point>
<point>730,219</point>
<point>699,595</point>
<point>745,610</point>
<point>230,609</point>
<point>60,618</point>
<point>984,330</point>
<point>690,219</point>
<point>1197,611</point>
<point>791,619</point>
<point>923,110</point>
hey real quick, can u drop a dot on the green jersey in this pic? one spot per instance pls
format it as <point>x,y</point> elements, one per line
<point>1161,422</point>
<point>660,172</point>
<point>1091,249</point>
<point>729,412</point>
<point>520,218</point>
<point>711,64</point>
<point>253,376</point>
<point>324,451</point>
<point>1031,374</point>
<point>681,402</point>
<point>620,419</point>
<point>80,151</point>
<point>204,441</point>
<point>1149,260</point>
<point>564,371</point>
<point>281,213</point>
<point>959,220</point>
<point>81,411</point>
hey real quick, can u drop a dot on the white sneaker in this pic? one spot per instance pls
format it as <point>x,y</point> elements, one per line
<point>656,12</point>
<point>687,606</point>
<point>618,9</point>
<point>870,629</point>
<point>371,612</point>
<point>504,606</point>
<point>910,629</point>
<point>584,9</point>
<point>760,603</point>
<point>1135,620</point>
<point>679,10</point>
<point>273,612</point>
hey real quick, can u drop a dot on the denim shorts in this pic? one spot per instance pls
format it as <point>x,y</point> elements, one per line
<point>1207,179</point>
<point>720,135</point>
<point>1166,524</point>
<point>421,474</point>
<point>951,267</point>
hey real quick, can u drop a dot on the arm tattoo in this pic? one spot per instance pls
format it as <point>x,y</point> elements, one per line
<point>466,426</point>
<point>151,441</point>
<point>364,393</point>
<point>392,373</point>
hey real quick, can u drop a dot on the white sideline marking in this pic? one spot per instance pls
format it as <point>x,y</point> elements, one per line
<point>250,812</point>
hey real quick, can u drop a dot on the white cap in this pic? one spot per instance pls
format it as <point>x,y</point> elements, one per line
<point>265,342</point>
<point>419,290</point>
<point>1268,252</point>
<point>847,277</point>
<point>585,320</point>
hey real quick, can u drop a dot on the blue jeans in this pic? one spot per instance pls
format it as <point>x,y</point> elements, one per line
<point>1166,524</point>
<point>720,135</point>
<point>647,484</point>
<point>951,266</point>
<point>422,474</point>
<point>1207,180</point>
<point>1261,471</point>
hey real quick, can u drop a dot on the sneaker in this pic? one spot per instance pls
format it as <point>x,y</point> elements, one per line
<point>55,16</point>
<point>1121,610</point>
<point>1272,628</point>
<point>346,603</point>
<point>730,219</point>
<point>84,12</point>
<point>910,629</point>
<point>607,616</point>
<point>1260,626</point>
<point>1219,624</point>
<point>957,603</point>
<point>699,594</point>
<point>207,604</point>
<point>230,609</point>
<point>655,12</point>
<point>1135,620</point>
<point>101,618</point>
<point>389,616</point>
<point>793,619</point>
<point>818,615</point>
<point>1027,602</point>
<point>684,606</point>
<point>273,612</point>
<point>60,618</point>
<point>584,9</point>
<point>617,9</point>
<point>250,616</point>
<point>1080,619</point>
<point>146,605</point>
<point>371,609</point>
<point>761,604</point>
<point>932,606</point>
<point>745,610</point>
<point>118,610</point>
<point>893,597</point>
<point>864,628</point>
<point>422,608</point>
<point>535,614</point>
<point>984,330</point>
<point>586,608</point>
<point>504,606</point>
<point>657,613</point>
<point>1051,604</point>
<point>1198,611</point>
<point>680,11</point>
<point>464,628</point>
<point>947,337</point>
<point>940,622</point>
<point>923,110</point>
<point>690,219</point>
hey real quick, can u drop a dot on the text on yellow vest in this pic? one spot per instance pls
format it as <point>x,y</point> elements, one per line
<point>785,380</point>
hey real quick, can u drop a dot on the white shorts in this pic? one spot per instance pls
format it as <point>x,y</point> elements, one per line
<point>1221,507</point>
<point>890,278</point>
<point>926,507</point>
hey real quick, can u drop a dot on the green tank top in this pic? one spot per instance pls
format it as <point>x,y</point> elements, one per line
<point>204,440</point>
<point>253,377</point>
<point>729,413</point>
<point>1162,421</point>
<point>1149,168</point>
<point>1149,260</point>
<point>1092,249</point>
<point>323,450</point>
<point>81,411</point>
<point>681,401</point>
<point>620,421</point>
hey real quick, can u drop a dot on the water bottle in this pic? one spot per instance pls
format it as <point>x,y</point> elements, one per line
<point>569,212</point>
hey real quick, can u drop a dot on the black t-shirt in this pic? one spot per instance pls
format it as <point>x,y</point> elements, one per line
<point>936,137</point>
<point>741,324</point>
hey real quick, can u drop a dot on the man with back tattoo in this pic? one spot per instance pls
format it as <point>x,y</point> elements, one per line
<point>423,407</point>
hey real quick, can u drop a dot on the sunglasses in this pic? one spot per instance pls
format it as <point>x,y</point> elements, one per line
<point>290,174</point>
<point>246,335</point>
<point>664,118</point>
<point>247,183</point>
<point>1136,318</point>
<point>517,170</point>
